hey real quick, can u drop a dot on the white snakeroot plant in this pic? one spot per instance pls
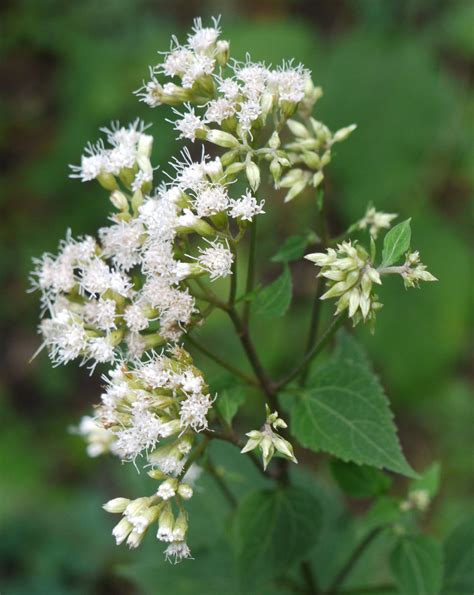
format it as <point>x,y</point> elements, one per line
<point>130,299</point>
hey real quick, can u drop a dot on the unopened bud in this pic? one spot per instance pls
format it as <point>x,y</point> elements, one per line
<point>343,133</point>
<point>117,505</point>
<point>318,178</point>
<point>274,141</point>
<point>145,144</point>
<point>298,129</point>
<point>253,175</point>
<point>107,181</point>
<point>119,200</point>
<point>222,139</point>
<point>222,52</point>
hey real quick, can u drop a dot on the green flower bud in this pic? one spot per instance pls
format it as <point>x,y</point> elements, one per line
<point>274,141</point>
<point>275,170</point>
<point>252,172</point>
<point>343,133</point>
<point>298,129</point>
<point>119,200</point>
<point>222,139</point>
<point>107,181</point>
<point>222,52</point>
<point>117,505</point>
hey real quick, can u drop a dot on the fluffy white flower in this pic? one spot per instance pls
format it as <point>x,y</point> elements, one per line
<point>189,124</point>
<point>177,551</point>
<point>246,207</point>
<point>193,412</point>
<point>211,199</point>
<point>203,39</point>
<point>217,260</point>
<point>122,242</point>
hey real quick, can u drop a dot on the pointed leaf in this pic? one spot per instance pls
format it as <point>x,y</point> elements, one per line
<point>275,299</point>
<point>292,249</point>
<point>428,481</point>
<point>396,243</point>
<point>417,565</point>
<point>346,413</point>
<point>229,402</point>
<point>459,556</point>
<point>275,529</point>
<point>359,481</point>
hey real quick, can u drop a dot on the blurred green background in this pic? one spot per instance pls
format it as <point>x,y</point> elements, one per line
<point>401,69</point>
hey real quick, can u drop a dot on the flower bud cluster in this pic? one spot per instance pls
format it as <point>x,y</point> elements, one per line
<point>269,441</point>
<point>417,500</point>
<point>350,276</point>
<point>413,271</point>
<point>375,221</point>
<point>308,154</point>
<point>164,509</point>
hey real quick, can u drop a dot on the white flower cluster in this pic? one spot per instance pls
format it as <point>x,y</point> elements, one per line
<point>127,155</point>
<point>98,309</point>
<point>232,104</point>
<point>153,410</point>
<point>155,400</point>
<point>350,275</point>
<point>116,298</point>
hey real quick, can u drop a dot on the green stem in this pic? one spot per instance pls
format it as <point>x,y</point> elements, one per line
<point>307,573</point>
<point>313,325</point>
<point>352,561</point>
<point>221,362</point>
<point>249,348</point>
<point>233,279</point>
<point>234,439</point>
<point>316,350</point>
<point>228,495</point>
<point>250,269</point>
<point>194,456</point>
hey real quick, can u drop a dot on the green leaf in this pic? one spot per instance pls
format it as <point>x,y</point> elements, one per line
<point>229,402</point>
<point>348,348</point>
<point>429,481</point>
<point>385,511</point>
<point>359,481</point>
<point>459,556</point>
<point>275,299</point>
<point>346,413</point>
<point>292,249</point>
<point>275,529</point>
<point>417,565</point>
<point>396,243</point>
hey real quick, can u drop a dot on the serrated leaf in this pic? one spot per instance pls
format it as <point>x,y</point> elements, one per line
<point>346,413</point>
<point>347,347</point>
<point>275,299</point>
<point>359,481</point>
<point>459,556</point>
<point>275,529</point>
<point>292,249</point>
<point>396,243</point>
<point>229,402</point>
<point>428,481</point>
<point>417,565</point>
